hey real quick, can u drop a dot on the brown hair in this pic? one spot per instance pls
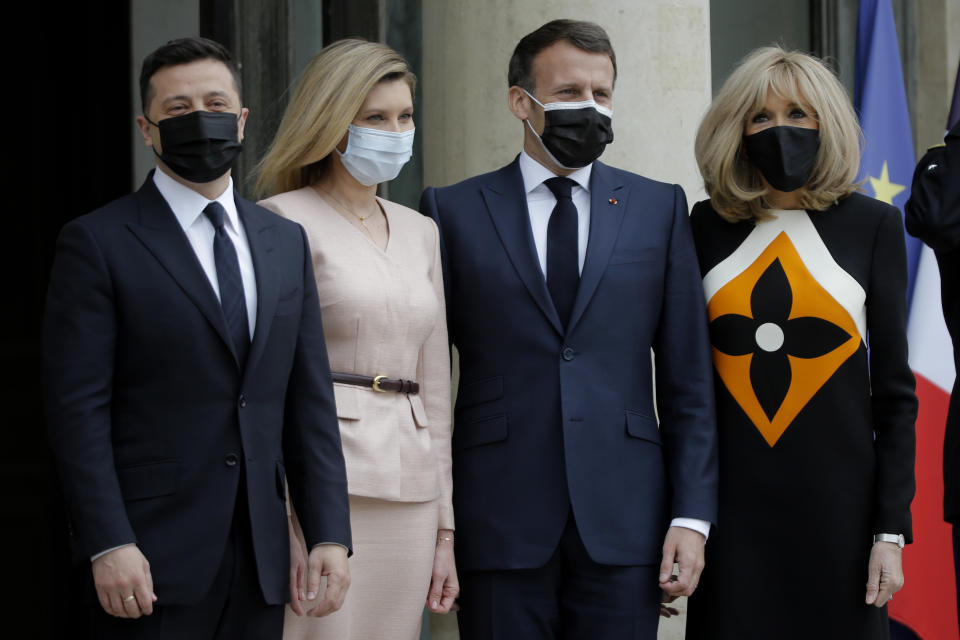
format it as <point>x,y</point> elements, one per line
<point>583,35</point>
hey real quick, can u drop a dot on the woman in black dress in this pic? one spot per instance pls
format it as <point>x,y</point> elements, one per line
<point>803,276</point>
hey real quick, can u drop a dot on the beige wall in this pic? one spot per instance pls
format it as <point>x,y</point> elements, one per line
<point>663,88</point>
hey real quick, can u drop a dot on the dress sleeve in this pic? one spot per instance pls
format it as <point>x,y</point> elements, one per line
<point>891,380</point>
<point>434,375</point>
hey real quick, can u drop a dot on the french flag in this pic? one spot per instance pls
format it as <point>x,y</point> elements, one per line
<point>926,608</point>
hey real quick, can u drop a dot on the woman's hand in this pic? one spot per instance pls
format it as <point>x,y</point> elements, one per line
<point>885,573</point>
<point>444,587</point>
<point>298,565</point>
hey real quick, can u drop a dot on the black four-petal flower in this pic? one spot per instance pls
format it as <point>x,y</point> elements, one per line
<point>770,336</point>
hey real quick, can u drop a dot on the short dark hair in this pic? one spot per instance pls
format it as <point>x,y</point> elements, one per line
<point>183,51</point>
<point>583,35</point>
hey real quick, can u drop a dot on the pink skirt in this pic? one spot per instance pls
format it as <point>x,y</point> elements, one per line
<point>393,548</point>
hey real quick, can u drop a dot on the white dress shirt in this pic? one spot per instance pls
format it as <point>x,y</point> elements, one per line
<point>187,206</point>
<point>540,204</point>
<point>541,201</point>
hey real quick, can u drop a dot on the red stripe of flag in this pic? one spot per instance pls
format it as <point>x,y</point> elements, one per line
<point>928,602</point>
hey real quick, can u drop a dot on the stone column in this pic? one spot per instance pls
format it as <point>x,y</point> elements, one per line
<point>663,87</point>
<point>937,42</point>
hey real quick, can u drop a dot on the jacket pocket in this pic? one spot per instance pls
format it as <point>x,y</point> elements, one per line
<point>642,426</point>
<point>480,391</point>
<point>150,480</point>
<point>288,302</point>
<point>347,398</point>
<point>479,401</point>
<point>485,431</point>
<point>419,413</point>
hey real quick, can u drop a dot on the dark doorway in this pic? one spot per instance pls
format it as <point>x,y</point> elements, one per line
<point>67,145</point>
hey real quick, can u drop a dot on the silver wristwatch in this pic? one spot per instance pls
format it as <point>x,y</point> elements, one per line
<point>896,538</point>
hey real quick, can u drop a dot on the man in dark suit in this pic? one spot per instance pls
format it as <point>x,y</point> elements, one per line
<point>186,381</point>
<point>933,214</point>
<point>562,274</point>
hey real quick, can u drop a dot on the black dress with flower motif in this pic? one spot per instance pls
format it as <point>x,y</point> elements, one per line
<point>816,438</point>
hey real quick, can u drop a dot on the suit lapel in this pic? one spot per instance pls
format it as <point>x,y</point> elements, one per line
<point>260,236</point>
<point>160,232</point>
<point>608,203</point>
<point>506,203</point>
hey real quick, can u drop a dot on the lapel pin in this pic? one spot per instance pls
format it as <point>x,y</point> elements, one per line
<point>613,201</point>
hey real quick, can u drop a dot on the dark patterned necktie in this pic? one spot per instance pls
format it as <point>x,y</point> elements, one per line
<point>563,262</point>
<point>232,299</point>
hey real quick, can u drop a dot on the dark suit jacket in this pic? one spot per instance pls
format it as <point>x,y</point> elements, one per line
<point>151,420</point>
<point>548,420</point>
<point>933,215</point>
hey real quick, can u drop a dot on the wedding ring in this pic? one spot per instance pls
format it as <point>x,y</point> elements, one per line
<point>130,598</point>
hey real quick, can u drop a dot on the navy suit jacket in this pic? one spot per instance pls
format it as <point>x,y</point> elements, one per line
<point>150,417</point>
<point>548,420</point>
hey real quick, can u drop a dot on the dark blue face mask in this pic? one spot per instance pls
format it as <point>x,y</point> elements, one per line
<point>784,155</point>
<point>199,146</point>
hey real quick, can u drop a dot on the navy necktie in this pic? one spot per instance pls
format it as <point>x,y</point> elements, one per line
<point>232,299</point>
<point>563,260</point>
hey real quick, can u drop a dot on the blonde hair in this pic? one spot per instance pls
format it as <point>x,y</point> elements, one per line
<point>328,96</point>
<point>733,183</point>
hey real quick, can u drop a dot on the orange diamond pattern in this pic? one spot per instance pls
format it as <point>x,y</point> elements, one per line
<point>808,374</point>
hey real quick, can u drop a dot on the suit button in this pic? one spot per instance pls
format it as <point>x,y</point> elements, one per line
<point>567,354</point>
<point>231,460</point>
<point>243,401</point>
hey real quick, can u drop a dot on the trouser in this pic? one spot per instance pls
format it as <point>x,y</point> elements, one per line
<point>570,598</point>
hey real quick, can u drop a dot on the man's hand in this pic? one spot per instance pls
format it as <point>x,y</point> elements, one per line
<point>884,574</point>
<point>444,587</point>
<point>329,561</point>
<point>685,547</point>
<point>123,582</point>
<point>298,566</point>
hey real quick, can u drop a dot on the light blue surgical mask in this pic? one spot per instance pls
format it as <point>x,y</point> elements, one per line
<point>374,156</point>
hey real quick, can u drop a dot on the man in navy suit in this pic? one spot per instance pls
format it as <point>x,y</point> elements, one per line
<point>562,274</point>
<point>186,381</point>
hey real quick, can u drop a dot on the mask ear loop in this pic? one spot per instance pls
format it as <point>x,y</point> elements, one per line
<point>534,131</point>
<point>530,95</point>
<point>349,141</point>
<point>552,157</point>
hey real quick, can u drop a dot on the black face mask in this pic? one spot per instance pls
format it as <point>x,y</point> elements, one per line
<point>199,146</point>
<point>784,155</point>
<point>574,137</point>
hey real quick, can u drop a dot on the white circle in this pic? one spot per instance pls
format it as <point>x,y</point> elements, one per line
<point>769,337</point>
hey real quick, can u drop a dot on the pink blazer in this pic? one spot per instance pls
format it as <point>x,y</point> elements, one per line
<point>383,314</point>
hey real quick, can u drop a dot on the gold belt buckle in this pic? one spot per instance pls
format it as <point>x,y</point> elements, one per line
<point>376,384</point>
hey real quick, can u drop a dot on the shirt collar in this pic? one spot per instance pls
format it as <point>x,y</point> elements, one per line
<point>534,174</point>
<point>187,205</point>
